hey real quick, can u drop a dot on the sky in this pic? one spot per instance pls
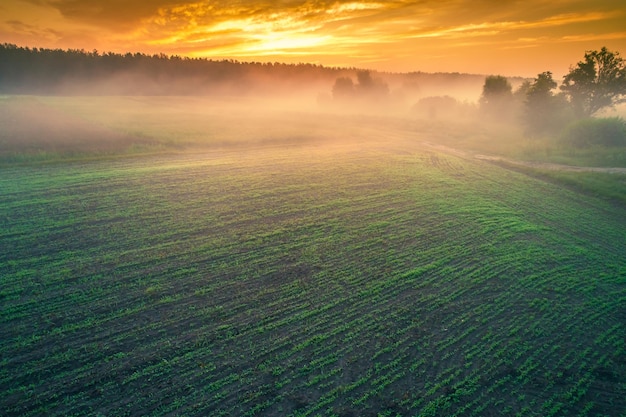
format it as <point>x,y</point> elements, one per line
<point>507,37</point>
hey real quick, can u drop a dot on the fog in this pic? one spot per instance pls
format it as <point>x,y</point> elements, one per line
<point>76,103</point>
<point>84,103</point>
<point>272,113</point>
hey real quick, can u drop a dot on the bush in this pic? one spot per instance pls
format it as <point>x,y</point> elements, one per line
<point>592,132</point>
<point>435,106</point>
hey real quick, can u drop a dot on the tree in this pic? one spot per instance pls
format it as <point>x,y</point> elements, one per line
<point>437,106</point>
<point>366,89</point>
<point>597,82</point>
<point>371,87</point>
<point>343,88</point>
<point>543,110</point>
<point>522,91</point>
<point>497,97</point>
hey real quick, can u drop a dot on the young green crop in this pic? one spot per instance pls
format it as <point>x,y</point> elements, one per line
<point>329,279</point>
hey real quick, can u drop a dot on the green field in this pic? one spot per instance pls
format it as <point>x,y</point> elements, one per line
<point>358,275</point>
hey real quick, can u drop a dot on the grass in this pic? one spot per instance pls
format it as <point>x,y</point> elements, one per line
<point>549,151</point>
<point>609,186</point>
<point>36,132</point>
<point>358,277</point>
<point>507,142</point>
<point>58,129</point>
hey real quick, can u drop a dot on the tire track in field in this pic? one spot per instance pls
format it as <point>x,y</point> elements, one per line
<point>539,165</point>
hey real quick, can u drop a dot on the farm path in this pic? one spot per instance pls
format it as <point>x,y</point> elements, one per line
<point>529,164</point>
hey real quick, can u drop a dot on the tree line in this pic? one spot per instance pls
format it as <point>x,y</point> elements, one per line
<point>596,83</point>
<point>26,70</point>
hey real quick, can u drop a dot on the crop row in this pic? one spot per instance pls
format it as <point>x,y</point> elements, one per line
<point>307,281</point>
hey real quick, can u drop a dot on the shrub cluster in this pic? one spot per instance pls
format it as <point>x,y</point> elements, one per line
<point>592,132</point>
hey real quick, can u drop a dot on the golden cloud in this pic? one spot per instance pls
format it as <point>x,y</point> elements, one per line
<point>341,30</point>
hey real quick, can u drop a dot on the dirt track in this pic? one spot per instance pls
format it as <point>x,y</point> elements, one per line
<point>538,165</point>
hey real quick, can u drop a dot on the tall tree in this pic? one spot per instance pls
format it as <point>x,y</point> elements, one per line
<point>370,87</point>
<point>343,88</point>
<point>597,82</point>
<point>497,97</point>
<point>367,88</point>
<point>542,109</point>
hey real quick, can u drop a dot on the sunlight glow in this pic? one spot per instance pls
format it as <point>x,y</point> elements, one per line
<point>276,42</point>
<point>398,35</point>
<point>353,7</point>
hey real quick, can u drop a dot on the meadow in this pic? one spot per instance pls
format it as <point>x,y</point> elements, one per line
<point>298,268</point>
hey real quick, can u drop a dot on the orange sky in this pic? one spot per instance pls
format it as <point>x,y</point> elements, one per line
<point>482,36</point>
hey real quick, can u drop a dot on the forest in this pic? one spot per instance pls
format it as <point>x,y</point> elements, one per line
<point>25,70</point>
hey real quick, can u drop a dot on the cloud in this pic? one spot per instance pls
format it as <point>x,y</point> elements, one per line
<point>28,30</point>
<point>372,31</point>
<point>106,13</point>
<point>343,31</point>
<point>584,37</point>
<point>370,16</point>
<point>498,27</point>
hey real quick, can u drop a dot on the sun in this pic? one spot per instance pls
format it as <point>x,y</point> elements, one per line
<point>287,43</point>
